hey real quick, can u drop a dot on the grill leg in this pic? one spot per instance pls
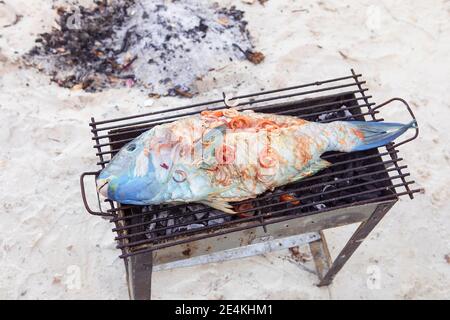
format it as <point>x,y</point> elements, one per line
<point>356,239</point>
<point>139,273</point>
<point>321,255</point>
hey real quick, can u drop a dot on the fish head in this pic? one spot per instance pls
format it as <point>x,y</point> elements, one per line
<point>130,176</point>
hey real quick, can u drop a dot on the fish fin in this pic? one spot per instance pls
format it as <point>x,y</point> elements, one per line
<point>312,168</point>
<point>318,165</point>
<point>377,134</point>
<point>219,205</point>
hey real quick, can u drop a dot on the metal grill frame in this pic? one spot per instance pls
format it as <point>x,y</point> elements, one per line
<point>140,256</point>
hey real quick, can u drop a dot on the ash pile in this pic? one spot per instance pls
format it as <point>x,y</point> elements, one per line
<point>160,46</point>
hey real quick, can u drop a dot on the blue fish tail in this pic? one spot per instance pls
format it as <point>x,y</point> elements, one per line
<point>377,134</point>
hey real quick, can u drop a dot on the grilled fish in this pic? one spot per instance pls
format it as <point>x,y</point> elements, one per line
<point>223,156</point>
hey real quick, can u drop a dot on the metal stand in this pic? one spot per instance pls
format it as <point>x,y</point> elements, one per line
<point>139,273</point>
<point>327,269</point>
<point>140,267</point>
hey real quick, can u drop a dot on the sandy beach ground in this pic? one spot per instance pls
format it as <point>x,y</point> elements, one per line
<point>50,248</point>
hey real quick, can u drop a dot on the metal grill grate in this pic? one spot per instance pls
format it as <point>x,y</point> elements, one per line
<point>354,178</point>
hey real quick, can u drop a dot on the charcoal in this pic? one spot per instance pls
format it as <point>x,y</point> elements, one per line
<point>160,46</point>
<point>195,208</point>
<point>320,206</point>
<point>347,113</point>
<point>223,218</point>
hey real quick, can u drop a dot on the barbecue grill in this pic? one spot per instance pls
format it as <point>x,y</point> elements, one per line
<point>358,187</point>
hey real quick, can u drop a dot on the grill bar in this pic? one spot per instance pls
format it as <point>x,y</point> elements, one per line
<point>312,100</point>
<point>362,92</point>
<point>317,83</point>
<point>240,104</point>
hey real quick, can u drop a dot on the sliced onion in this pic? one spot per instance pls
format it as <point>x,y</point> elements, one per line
<point>230,113</point>
<point>182,174</point>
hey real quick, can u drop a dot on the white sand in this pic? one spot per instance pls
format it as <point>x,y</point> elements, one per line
<point>47,239</point>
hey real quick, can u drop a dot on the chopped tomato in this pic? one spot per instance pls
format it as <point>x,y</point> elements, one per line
<point>240,122</point>
<point>214,113</point>
<point>230,113</point>
<point>267,124</point>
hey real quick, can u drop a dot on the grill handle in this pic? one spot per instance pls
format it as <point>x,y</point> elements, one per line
<point>83,195</point>
<point>410,112</point>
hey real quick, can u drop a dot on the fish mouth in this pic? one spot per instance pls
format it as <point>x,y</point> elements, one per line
<point>102,187</point>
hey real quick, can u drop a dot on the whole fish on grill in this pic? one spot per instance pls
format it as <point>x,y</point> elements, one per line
<point>223,156</point>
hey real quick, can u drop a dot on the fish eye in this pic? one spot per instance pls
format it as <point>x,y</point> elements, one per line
<point>131,147</point>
